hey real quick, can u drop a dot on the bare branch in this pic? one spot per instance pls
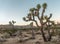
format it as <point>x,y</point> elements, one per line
<point>50,16</point>
<point>36,23</point>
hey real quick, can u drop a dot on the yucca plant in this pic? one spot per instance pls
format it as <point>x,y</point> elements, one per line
<point>34,12</point>
<point>12,23</point>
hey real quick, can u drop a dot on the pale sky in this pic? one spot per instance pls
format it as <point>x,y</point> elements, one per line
<point>17,9</point>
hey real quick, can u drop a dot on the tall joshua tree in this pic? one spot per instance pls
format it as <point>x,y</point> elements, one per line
<point>43,19</point>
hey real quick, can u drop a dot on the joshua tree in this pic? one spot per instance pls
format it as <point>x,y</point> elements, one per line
<point>49,25</point>
<point>12,23</point>
<point>33,34</point>
<point>43,19</point>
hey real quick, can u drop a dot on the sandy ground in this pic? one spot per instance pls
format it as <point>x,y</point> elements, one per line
<point>15,40</point>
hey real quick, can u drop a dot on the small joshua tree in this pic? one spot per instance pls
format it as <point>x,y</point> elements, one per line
<point>12,23</point>
<point>33,34</point>
<point>43,19</point>
<point>50,25</point>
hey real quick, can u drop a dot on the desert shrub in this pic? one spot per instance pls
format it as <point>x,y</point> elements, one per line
<point>6,35</point>
<point>10,31</point>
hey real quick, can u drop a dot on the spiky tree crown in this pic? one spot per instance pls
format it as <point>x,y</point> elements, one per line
<point>35,12</point>
<point>32,9</point>
<point>38,6</point>
<point>44,5</point>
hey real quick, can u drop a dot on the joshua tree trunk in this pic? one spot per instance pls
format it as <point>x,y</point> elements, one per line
<point>33,35</point>
<point>49,39</point>
<point>21,36</point>
<point>50,36</point>
<point>43,35</point>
